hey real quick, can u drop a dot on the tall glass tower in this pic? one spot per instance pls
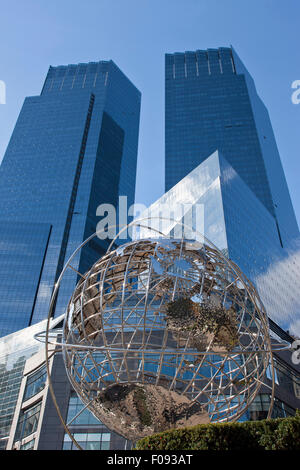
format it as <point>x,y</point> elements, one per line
<point>73,148</point>
<point>215,119</point>
<point>212,104</point>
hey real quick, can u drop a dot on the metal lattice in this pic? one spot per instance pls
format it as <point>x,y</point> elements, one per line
<point>164,333</point>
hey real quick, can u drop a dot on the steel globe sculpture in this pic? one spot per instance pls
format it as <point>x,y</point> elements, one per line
<point>164,333</point>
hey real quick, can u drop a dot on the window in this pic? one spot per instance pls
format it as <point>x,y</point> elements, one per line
<point>88,441</point>
<point>28,421</point>
<point>270,375</point>
<point>259,408</point>
<point>28,446</point>
<point>287,377</point>
<point>35,382</point>
<point>84,418</point>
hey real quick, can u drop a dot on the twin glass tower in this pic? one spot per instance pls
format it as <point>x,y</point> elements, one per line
<point>74,147</point>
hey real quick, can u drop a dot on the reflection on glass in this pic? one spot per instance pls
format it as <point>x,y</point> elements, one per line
<point>28,421</point>
<point>35,383</point>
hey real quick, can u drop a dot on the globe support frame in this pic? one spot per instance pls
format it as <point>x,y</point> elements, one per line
<point>54,297</point>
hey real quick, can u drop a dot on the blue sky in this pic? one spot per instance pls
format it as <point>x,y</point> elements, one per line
<point>136,34</point>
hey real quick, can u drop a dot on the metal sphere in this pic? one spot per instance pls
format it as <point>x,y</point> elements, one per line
<point>164,334</point>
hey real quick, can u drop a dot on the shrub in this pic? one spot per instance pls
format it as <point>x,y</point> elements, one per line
<point>273,434</point>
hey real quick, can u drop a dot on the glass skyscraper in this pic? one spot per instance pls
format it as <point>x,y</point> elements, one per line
<point>73,148</point>
<point>212,105</point>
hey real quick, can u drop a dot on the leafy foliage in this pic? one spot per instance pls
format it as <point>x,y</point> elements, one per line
<point>273,434</point>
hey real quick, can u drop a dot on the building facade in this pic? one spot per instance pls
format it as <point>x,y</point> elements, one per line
<point>73,148</point>
<point>15,350</point>
<point>212,104</point>
<point>28,417</point>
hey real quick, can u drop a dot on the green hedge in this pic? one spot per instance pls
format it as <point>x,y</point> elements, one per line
<point>273,434</point>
